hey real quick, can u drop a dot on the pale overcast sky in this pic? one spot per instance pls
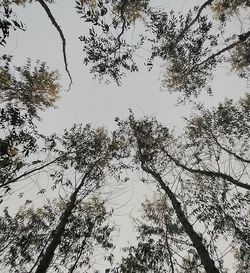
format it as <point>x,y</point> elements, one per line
<point>88,100</point>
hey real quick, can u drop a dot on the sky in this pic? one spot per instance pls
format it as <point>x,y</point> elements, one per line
<point>91,102</point>
<point>88,100</point>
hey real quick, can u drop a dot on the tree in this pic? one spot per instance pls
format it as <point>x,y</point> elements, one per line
<point>25,236</point>
<point>208,167</point>
<point>91,156</point>
<point>33,89</point>
<point>145,138</point>
<point>218,135</point>
<point>191,45</point>
<point>162,245</point>
<point>22,97</point>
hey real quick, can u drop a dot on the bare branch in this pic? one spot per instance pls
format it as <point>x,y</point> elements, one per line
<point>27,173</point>
<point>58,28</point>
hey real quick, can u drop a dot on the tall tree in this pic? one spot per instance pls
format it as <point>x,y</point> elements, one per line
<point>145,138</point>
<point>163,245</point>
<point>90,155</point>
<point>25,237</point>
<point>208,168</point>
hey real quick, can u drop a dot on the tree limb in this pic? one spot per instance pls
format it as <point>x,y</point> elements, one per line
<point>28,173</point>
<point>187,27</point>
<point>242,38</point>
<point>208,173</point>
<point>119,43</point>
<point>168,247</point>
<point>58,28</point>
<point>240,158</point>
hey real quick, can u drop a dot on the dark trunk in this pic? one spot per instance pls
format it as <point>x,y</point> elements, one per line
<point>59,231</point>
<point>205,258</point>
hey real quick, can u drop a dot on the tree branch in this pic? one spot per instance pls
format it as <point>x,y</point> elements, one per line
<point>168,247</point>
<point>118,46</point>
<point>208,173</point>
<point>242,38</point>
<point>240,158</point>
<point>83,244</point>
<point>28,173</point>
<point>58,28</point>
<point>187,27</point>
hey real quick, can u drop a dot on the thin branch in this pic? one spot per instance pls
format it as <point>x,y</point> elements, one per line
<point>28,173</point>
<point>242,38</point>
<point>208,173</point>
<point>168,248</point>
<point>84,242</point>
<point>119,43</point>
<point>240,158</point>
<point>187,27</point>
<point>58,28</point>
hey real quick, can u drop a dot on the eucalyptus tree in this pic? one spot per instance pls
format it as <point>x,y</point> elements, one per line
<point>190,45</point>
<point>162,244</point>
<point>145,137</point>
<point>25,92</point>
<point>25,236</point>
<point>92,155</point>
<point>84,159</point>
<point>204,173</point>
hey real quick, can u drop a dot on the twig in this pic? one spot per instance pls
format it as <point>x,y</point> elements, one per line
<point>58,28</point>
<point>118,46</point>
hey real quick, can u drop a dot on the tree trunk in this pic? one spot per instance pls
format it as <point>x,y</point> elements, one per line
<point>206,260</point>
<point>59,231</point>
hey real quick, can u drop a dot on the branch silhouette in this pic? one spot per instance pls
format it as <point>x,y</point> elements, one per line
<point>58,28</point>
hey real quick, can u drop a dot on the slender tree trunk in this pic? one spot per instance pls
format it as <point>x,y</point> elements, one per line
<point>59,231</point>
<point>168,247</point>
<point>204,255</point>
